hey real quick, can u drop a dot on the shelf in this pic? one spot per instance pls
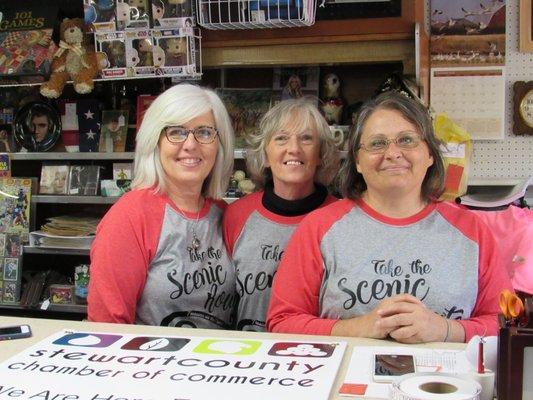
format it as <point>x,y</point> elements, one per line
<point>54,250</point>
<point>65,311</point>
<point>57,199</point>
<point>238,154</point>
<point>72,156</point>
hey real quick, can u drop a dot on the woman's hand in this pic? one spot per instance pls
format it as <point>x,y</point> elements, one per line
<point>412,322</point>
<point>370,325</point>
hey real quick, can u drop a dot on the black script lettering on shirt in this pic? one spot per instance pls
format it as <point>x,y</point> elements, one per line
<point>271,252</point>
<point>197,279</point>
<point>219,300</point>
<point>211,252</point>
<point>380,289</point>
<point>453,313</point>
<point>250,282</point>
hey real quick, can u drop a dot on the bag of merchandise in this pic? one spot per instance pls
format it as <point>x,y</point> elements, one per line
<point>456,151</point>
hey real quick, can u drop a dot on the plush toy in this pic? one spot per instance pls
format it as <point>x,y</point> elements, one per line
<point>74,59</point>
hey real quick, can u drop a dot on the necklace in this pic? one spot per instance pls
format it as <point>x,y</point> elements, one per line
<point>195,242</point>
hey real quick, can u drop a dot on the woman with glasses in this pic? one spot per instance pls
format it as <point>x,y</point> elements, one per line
<point>389,260</point>
<point>158,257</point>
<point>292,158</point>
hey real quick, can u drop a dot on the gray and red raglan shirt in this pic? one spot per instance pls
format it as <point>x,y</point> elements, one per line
<point>144,269</point>
<point>345,258</point>
<point>256,238</point>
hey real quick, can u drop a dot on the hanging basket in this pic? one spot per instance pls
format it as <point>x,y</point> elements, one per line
<point>255,14</point>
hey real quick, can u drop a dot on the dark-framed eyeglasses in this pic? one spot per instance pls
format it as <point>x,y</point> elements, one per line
<point>378,144</point>
<point>202,134</point>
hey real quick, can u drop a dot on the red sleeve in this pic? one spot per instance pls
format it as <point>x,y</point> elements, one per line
<point>492,275</point>
<point>125,243</point>
<point>235,216</point>
<point>294,306</point>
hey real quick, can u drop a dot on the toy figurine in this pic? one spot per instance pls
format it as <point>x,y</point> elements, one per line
<point>332,102</point>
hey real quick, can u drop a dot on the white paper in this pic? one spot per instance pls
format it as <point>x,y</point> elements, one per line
<point>474,98</point>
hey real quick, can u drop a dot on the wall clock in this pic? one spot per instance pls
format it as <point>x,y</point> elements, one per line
<point>523,108</point>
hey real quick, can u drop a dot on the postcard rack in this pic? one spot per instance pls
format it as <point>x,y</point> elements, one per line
<point>255,14</point>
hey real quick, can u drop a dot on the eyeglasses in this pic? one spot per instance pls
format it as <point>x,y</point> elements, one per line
<point>379,144</point>
<point>305,138</point>
<point>202,134</point>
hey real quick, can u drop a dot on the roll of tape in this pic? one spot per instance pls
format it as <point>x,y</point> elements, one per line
<point>432,386</point>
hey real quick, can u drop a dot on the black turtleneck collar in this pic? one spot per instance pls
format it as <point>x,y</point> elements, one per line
<point>293,208</point>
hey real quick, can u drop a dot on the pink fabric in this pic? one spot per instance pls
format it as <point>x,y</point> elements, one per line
<point>513,231</point>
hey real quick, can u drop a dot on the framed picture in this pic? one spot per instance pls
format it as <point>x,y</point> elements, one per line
<point>114,131</point>
<point>54,179</point>
<point>296,82</point>
<point>37,126</point>
<point>526,26</point>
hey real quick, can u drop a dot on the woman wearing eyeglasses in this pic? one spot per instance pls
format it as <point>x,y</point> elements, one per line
<point>389,260</point>
<point>292,158</point>
<point>158,257</point>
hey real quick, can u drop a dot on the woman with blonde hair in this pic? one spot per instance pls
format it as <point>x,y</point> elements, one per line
<point>291,158</point>
<point>158,257</point>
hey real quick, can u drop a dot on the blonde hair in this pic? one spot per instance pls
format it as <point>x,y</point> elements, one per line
<point>305,112</point>
<point>177,106</point>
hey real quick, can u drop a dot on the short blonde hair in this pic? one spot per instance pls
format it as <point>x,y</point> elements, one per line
<point>305,113</point>
<point>177,106</point>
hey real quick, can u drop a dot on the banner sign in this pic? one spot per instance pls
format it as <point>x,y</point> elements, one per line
<point>109,366</point>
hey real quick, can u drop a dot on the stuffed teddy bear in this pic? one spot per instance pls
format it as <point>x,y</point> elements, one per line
<point>74,59</point>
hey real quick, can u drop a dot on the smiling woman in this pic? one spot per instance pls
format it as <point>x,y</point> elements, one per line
<point>389,260</point>
<point>155,243</point>
<point>292,157</point>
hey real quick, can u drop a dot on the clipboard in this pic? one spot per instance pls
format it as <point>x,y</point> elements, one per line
<point>513,348</point>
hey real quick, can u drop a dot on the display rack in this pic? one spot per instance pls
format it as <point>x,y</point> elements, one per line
<point>255,14</point>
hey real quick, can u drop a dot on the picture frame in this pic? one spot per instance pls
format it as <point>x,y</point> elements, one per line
<point>526,26</point>
<point>37,126</point>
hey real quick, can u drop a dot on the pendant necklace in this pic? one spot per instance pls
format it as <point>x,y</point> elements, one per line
<point>195,242</point>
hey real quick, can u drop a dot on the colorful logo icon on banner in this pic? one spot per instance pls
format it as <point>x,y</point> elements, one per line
<point>237,347</point>
<point>314,350</point>
<point>87,339</point>
<point>145,343</point>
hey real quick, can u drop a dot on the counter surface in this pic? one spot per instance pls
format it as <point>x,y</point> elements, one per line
<point>42,328</point>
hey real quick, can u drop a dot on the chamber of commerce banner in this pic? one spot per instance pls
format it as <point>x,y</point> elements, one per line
<point>111,366</point>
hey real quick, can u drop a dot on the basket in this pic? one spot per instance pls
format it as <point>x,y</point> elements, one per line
<point>255,14</point>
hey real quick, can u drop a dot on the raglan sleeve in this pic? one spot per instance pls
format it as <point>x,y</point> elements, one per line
<point>294,301</point>
<point>492,279</point>
<point>119,264</point>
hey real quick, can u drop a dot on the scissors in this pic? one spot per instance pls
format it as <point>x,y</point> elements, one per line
<point>511,305</point>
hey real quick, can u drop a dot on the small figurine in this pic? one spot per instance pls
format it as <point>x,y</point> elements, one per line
<point>332,103</point>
